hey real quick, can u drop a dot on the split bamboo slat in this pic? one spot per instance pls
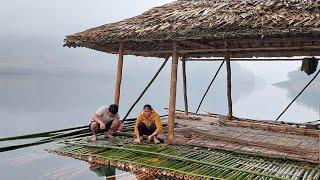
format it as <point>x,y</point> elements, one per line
<point>185,162</point>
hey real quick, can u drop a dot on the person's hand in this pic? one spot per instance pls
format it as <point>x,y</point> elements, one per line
<point>150,138</point>
<point>102,126</point>
<point>137,140</point>
<point>120,128</point>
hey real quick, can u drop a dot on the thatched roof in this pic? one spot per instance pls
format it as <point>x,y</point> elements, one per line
<point>210,27</point>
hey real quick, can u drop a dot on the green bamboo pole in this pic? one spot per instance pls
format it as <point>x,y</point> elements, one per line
<point>47,140</point>
<point>252,166</point>
<point>41,134</point>
<point>193,161</point>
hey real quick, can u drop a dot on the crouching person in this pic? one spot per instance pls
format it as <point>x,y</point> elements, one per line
<point>148,123</point>
<point>105,120</point>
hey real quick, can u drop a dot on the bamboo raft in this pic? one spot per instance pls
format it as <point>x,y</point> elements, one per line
<point>233,149</point>
<point>263,138</point>
<point>208,149</point>
<point>184,162</point>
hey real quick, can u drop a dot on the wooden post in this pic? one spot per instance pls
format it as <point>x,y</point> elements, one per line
<point>173,91</point>
<point>184,76</point>
<point>227,59</point>
<point>119,74</point>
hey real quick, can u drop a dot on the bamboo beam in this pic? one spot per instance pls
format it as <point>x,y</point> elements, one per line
<point>227,59</point>
<point>314,77</point>
<point>235,54</point>
<point>173,90</point>
<point>206,92</point>
<point>119,74</point>
<point>185,94</point>
<point>195,43</point>
<point>230,49</point>
<point>245,59</point>
<point>146,88</point>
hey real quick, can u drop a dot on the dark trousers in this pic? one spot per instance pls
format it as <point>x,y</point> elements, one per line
<point>108,125</point>
<point>144,130</point>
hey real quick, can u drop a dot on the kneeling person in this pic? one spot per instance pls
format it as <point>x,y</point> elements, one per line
<point>104,121</point>
<point>148,123</point>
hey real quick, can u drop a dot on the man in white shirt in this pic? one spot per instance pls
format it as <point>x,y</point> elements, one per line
<point>104,121</point>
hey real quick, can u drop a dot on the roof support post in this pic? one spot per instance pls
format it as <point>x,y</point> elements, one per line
<point>119,74</point>
<point>227,59</point>
<point>173,91</point>
<point>185,94</point>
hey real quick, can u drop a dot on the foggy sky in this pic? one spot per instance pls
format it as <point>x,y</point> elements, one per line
<point>42,24</point>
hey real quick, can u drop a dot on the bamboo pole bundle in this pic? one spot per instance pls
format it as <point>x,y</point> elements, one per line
<point>196,163</point>
<point>42,134</point>
<point>51,136</point>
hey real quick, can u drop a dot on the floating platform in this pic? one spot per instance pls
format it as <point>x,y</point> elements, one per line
<point>286,141</point>
<point>184,162</point>
<point>210,147</point>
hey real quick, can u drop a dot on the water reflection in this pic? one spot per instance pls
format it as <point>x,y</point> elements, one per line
<point>103,171</point>
<point>111,173</point>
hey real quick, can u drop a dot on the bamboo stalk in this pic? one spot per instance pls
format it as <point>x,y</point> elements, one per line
<point>185,94</point>
<point>41,134</point>
<point>119,74</point>
<point>146,88</point>
<point>47,140</point>
<point>192,160</point>
<point>227,59</point>
<point>210,84</point>
<point>314,77</point>
<point>173,90</point>
<point>194,168</point>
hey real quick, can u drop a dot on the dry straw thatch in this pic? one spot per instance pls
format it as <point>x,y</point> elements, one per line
<point>210,28</point>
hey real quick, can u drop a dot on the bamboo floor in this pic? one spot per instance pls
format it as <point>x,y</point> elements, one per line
<point>208,149</point>
<point>184,162</point>
<point>211,132</point>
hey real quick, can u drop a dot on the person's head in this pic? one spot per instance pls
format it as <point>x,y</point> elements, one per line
<point>147,110</point>
<point>113,109</point>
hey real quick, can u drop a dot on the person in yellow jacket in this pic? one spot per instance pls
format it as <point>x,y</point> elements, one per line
<point>148,123</point>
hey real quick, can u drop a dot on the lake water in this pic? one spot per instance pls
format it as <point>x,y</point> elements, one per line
<point>44,86</point>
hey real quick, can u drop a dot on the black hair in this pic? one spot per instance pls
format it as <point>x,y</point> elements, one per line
<point>113,108</point>
<point>147,106</point>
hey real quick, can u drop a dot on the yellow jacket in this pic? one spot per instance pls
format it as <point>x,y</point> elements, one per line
<point>154,118</point>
